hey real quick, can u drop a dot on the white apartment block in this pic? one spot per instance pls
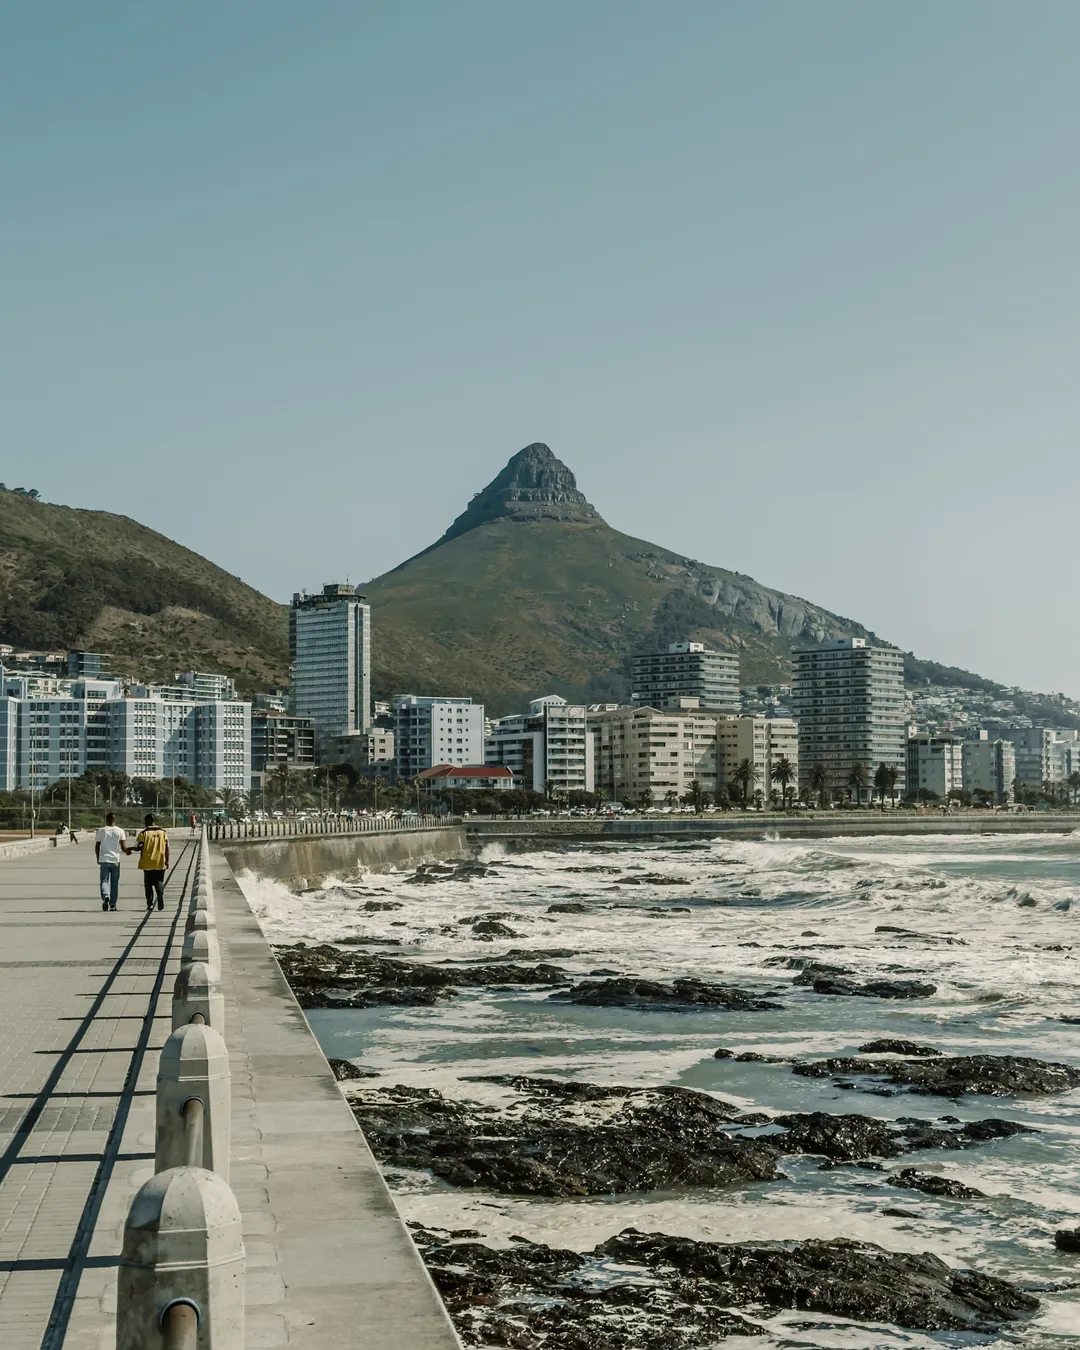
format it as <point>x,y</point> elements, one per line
<point>659,751</point>
<point>92,725</point>
<point>433,730</point>
<point>990,766</point>
<point>549,743</point>
<point>935,763</point>
<point>848,700</point>
<point>763,741</point>
<point>686,670</point>
<point>330,651</point>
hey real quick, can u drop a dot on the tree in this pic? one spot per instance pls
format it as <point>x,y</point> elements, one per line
<point>645,799</point>
<point>857,780</point>
<point>745,779</point>
<point>1073,781</point>
<point>230,802</point>
<point>671,797</point>
<point>819,783</point>
<point>695,796</point>
<point>783,772</point>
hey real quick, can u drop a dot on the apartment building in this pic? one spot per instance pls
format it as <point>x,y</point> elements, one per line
<point>934,764</point>
<point>434,730</point>
<point>686,670</point>
<point>990,766</point>
<point>90,724</point>
<point>661,751</point>
<point>549,743</point>
<point>330,651</point>
<point>848,701</point>
<point>764,741</point>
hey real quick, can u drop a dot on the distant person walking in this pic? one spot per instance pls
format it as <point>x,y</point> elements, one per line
<point>109,844</point>
<point>194,823</point>
<point>152,844</point>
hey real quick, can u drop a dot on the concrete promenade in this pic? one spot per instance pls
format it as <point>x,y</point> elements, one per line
<point>84,1011</point>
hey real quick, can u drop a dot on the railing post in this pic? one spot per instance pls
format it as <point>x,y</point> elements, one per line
<point>201,944</point>
<point>197,994</point>
<point>181,1276</point>
<point>194,1068</point>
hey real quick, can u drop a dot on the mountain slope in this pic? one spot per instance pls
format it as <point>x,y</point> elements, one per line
<point>530,591</point>
<point>72,578</point>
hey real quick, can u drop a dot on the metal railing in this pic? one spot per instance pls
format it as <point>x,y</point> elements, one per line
<point>289,826</point>
<point>181,1278</point>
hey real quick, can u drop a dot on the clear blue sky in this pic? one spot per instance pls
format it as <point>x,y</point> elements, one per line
<point>792,286</point>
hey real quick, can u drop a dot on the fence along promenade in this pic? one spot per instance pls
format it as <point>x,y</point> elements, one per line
<point>293,826</point>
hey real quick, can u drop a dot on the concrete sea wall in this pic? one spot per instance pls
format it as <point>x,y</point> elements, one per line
<point>308,860</point>
<point>738,825</point>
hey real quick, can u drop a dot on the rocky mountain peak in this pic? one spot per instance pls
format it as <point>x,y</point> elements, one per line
<point>535,485</point>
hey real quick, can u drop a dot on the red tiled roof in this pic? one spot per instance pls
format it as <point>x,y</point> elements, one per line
<point>467,771</point>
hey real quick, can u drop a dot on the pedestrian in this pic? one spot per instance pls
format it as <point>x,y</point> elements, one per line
<point>194,822</point>
<point>153,847</point>
<point>109,843</point>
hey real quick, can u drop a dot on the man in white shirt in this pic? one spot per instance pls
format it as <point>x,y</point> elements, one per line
<point>109,843</point>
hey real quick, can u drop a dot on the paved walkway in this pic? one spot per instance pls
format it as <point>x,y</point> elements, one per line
<point>84,1009</point>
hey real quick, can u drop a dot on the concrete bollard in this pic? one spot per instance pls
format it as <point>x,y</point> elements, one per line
<point>203,898</point>
<point>194,1067</point>
<point>200,919</point>
<point>201,944</point>
<point>197,994</point>
<point>182,1267</point>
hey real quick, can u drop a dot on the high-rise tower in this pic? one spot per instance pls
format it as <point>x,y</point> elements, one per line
<point>330,651</point>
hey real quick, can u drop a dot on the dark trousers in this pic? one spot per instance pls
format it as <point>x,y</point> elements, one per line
<point>154,886</point>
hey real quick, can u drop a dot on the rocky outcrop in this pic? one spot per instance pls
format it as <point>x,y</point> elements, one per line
<point>323,976</point>
<point>630,991</point>
<point>533,486</point>
<point>954,1075</point>
<point>650,1291</point>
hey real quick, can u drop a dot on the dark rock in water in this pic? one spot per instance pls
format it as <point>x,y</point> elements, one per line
<point>472,919</point>
<point>955,1075</point>
<point>372,905</point>
<point>571,907</point>
<point>848,1138</point>
<point>932,1184</point>
<point>925,937</point>
<point>811,970</point>
<point>723,1054</point>
<point>629,991</point>
<point>875,988</point>
<point>838,1277</point>
<point>893,1213</point>
<point>488,929</point>
<point>642,1291</point>
<point>326,977</point>
<point>567,1139</point>
<point>345,1070</point>
<point>1067,1239</point>
<point>898,1047</point>
<point>809,932</point>
<point>1073,1021</point>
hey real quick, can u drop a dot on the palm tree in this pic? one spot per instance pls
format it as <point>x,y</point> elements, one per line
<point>1073,781</point>
<point>645,798</point>
<point>696,796</point>
<point>856,780</point>
<point>280,783</point>
<point>745,779</point>
<point>671,797</point>
<point>819,783</point>
<point>230,801</point>
<point>783,772</point>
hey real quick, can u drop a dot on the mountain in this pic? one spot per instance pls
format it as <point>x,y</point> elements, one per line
<point>530,591</point>
<point>91,579</point>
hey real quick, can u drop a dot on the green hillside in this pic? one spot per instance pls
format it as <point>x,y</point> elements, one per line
<point>72,578</point>
<point>529,591</point>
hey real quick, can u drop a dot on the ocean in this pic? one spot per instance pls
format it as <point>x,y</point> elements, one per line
<point>991,921</point>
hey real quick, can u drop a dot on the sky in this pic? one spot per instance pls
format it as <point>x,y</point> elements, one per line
<point>792,287</point>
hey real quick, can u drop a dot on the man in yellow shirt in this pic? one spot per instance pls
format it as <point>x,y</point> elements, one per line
<point>152,844</point>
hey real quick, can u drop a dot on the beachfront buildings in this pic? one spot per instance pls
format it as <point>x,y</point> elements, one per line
<point>764,742</point>
<point>278,739</point>
<point>467,778</point>
<point>654,751</point>
<point>547,747</point>
<point>92,724</point>
<point>935,764</point>
<point>848,699</point>
<point>431,730</point>
<point>990,767</point>
<point>330,652</point>
<point>686,670</point>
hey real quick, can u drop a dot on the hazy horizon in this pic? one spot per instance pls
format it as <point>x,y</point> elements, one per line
<point>791,289</point>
